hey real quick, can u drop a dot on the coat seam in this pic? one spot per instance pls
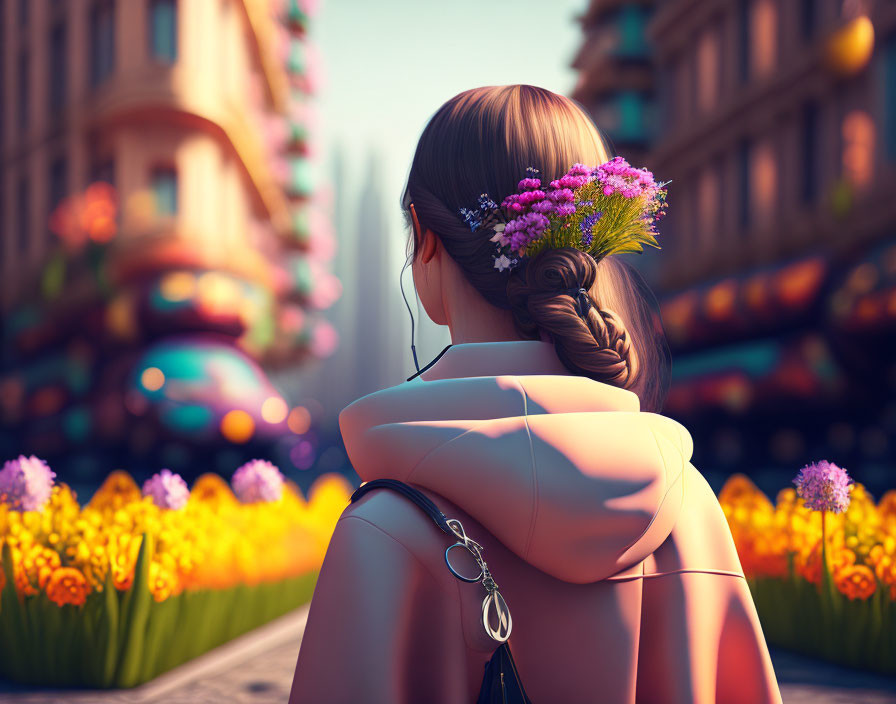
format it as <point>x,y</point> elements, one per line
<point>667,487</point>
<point>535,503</point>
<point>396,540</point>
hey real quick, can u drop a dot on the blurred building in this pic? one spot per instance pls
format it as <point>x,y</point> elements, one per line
<point>162,236</point>
<point>776,123</point>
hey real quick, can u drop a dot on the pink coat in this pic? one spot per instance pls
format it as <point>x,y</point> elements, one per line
<point>610,548</point>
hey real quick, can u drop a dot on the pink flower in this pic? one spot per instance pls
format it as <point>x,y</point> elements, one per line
<point>530,197</point>
<point>824,486</point>
<point>529,184</point>
<point>26,483</point>
<point>167,489</point>
<point>257,480</point>
<point>561,195</point>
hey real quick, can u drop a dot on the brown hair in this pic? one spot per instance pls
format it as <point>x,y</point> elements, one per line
<point>482,141</point>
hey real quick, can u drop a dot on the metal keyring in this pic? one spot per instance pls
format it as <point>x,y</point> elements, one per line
<point>454,572</point>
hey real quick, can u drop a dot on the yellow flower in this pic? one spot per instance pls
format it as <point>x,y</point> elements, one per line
<point>67,586</point>
<point>856,582</point>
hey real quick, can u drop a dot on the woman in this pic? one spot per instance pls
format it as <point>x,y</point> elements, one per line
<point>539,429</point>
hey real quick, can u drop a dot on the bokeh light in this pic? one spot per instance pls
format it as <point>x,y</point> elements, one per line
<point>152,379</point>
<point>274,409</point>
<point>237,426</point>
<point>299,420</point>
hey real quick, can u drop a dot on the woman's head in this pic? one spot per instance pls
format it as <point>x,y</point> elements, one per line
<point>482,141</point>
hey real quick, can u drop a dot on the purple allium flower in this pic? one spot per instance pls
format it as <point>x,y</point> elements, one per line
<point>529,184</point>
<point>824,486</point>
<point>257,480</point>
<point>167,489</point>
<point>26,483</point>
<point>564,209</point>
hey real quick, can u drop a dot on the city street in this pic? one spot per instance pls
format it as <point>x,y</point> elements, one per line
<point>258,668</point>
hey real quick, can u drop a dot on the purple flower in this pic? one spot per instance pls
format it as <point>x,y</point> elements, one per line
<point>544,207</point>
<point>587,225</point>
<point>26,483</point>
<point>257,480</point>
<point>579,170</point>
<point>529,184</point>
<point>167,489</point>
<point>561,195</point>
<point>530,197</point>
<point>565,209</point>
<point>824,486</point>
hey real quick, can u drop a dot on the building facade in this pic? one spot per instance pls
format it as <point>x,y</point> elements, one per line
<point>157,207</point>
<point>775,122</point>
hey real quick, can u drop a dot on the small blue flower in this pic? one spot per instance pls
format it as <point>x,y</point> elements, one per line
<point>587,225</point>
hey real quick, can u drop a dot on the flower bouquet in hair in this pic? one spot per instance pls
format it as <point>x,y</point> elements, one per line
<point>602,210</point>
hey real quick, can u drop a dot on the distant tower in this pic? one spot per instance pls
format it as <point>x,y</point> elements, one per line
<point>373,284</point>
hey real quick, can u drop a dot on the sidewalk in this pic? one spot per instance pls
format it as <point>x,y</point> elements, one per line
<point>257,668</point>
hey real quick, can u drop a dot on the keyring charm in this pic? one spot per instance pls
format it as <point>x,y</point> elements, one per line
<point>505,622</point>
<point>455,572</point>
<point>493,600</point>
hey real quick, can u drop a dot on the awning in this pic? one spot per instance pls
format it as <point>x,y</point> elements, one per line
<point>865,299</point>
<point>738,377</point>
<point>753,303</point>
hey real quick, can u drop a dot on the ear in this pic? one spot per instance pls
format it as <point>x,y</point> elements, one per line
<point>430,246</point>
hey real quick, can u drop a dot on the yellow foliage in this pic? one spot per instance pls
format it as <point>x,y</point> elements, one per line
<point>861,541</point>
<point>213,541</point>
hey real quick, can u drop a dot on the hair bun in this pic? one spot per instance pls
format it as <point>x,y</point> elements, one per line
<point>596,346</point>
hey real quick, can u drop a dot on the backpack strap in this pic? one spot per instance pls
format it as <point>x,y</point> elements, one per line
<point>415,495</point>
<point>501,681</point>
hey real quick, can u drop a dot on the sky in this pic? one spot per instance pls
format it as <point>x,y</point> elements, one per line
<point>387,66</point>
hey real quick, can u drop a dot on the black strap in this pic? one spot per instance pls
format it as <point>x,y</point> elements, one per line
<point>415,495</point>
<point>437,358</point>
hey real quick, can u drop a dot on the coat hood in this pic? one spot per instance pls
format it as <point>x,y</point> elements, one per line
<point>565,471</point>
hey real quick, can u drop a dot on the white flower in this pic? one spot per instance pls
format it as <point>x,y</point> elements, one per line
<point>502,262</point>
<point>499,234</point>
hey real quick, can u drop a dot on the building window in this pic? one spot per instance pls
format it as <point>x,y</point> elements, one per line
<point>743,44</point>
<point>708,206</point>
<point>23,203</point>
<point>631,27</point>
<point>707,71</point>
<point>763,183</point>
<point>164,187</point>
<point>163,30</point>
<point>743,179</point>
<point>808,18</point>
<point>102,41</point>
<point>890,94</point>
<point>763,37</point>
<point>58,66</point>
<point>858,136</point>
<point>810,153</point>
<point>58,182</point>
<point>23,92</point>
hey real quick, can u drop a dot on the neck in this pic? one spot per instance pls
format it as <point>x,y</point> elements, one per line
<point>484,323</point>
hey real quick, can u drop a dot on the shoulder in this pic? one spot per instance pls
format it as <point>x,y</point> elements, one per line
<point>399,525</point>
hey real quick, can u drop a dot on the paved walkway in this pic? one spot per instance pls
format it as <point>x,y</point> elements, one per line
<point>257,668</point>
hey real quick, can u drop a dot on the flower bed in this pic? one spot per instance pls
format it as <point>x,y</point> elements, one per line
<point>134,583</point>
<point>837,603</point>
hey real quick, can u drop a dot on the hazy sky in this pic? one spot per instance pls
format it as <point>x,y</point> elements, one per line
<point>388,65</point>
